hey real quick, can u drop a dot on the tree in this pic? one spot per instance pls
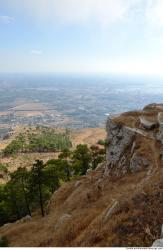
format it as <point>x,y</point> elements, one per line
<point>51,176</point>
<point>97,155</point>
<point>4,241</point>
<point>21,179</point>
<point>66,154</point>
<point>103,143</point>
<point>12,198</point>
<point>82,158</point>
<point>61,169</point>
<point>38,180</point>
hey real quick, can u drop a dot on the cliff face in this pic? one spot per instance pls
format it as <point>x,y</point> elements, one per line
<point>118,204</point>
<point>120,141</point>
<point>128,136</point>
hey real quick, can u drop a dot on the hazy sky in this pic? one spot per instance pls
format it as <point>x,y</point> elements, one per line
<point>81,36</point>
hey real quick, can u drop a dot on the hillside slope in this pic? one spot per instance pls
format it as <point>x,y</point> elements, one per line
<point>118,204</point>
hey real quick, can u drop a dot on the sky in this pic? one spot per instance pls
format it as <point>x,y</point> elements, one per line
<point>81,36</point>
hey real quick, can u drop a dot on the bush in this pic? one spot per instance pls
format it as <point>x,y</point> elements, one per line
<point>4,241</point>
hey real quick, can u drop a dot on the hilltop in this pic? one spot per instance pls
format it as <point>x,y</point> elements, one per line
<point>120,203</point>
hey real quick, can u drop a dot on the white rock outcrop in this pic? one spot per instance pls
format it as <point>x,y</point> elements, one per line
<point>147,124</point>
<point>64,218</point>
<point>158,243</point>
<point>119,139</point>
<point>122,154</point>
<point>25,219</point>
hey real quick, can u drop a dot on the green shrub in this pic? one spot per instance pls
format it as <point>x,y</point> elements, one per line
<point>46,140</point>
<point>4,241</point>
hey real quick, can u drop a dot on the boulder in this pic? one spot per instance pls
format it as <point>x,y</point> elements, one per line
<point>147,124</point>
<point>89,171</point>
<point>64,218</point>
<point>77,184</point>
<point>24,219</point>
<point>162,231</point>
<point>7,225</point>
<point>111,210</point>
<point>158,243</point>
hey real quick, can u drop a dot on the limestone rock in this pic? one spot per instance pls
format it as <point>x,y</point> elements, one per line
<point>138,162</point>
<point>119,139</point>
<point>100,167</point>
<point>62,220</point>
<point>24,219</point>
<point>147,124</point>
<point>77,184</point>
<point>133,147</point>
<point>158,243</point>
<point>89,171</point>
<point>162,231</point>
<point>7,225</point>
<point>160,133</point>
<point>111,210</point>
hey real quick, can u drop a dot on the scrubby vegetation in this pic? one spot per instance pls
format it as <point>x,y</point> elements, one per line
<point>4,167</point>
<point>4,242</point>
<point>43,140</point>
<point>15,146</point>
<point>28,190</point>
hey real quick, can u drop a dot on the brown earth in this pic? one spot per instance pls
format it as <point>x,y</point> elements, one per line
<point>135,221</point>
<point>100,211</point>
<point>88,136</point>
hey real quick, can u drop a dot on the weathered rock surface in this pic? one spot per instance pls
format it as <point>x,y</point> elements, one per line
<point>111,210</point>
<point>124,152</point>
<point>24,219</point>
<point>147,124</point>
<point>138,162</point>
<point>160,121</point>
<point>120,138</point>
<point>62,220</point>
<point>158,243</point>
<point>77,184</point>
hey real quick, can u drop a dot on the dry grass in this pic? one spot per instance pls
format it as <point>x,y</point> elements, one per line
<point>88,136</point>
<point>85,226</point>
<point>136,221</point>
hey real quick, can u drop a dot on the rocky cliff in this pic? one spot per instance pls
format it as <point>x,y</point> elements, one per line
<point>118,204</point>
<point>127,137</point>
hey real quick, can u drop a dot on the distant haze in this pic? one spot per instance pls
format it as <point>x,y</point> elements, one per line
<point>72,100</point>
